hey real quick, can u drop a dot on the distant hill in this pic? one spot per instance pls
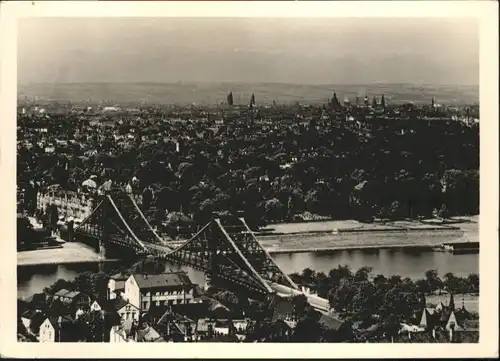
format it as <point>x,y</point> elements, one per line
<point>213,93</point>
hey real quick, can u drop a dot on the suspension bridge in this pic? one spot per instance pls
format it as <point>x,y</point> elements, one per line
<point>224,249</point>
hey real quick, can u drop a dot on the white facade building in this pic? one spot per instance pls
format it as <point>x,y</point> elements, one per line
<point>143,290</point>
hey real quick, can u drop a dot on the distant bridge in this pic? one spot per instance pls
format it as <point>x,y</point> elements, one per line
<point>224,250</point>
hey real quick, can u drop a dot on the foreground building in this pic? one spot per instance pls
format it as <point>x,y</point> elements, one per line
<point>143,290</point>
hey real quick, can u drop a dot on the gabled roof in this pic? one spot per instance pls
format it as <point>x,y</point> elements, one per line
<point>330,323</point>
<point>62,321</point>
<point>282,307</point>
<point>62,292</point>
<point>119,277</point>
<point>149,334</point>
<point>66,293</point>
<point>202,325</point>
<point>173,279</point>
<point>116,304</point>
<point>213,304</point>
<point>29,314</point>
<point>126,326</point>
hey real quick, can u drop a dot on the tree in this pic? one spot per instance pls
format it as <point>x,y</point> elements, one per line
<point>59,285</point>
<point>362,274</point>
<point>433,280</point>
<point>364,302</point>
<point>147,198</point>
<point>391,326</point>
<point>374,102</point>
<point>473,280</point>
<point>230,98</point>
<point>400,303</point>
<point>52,216</point>
<point>312,202</point>
<point>290,209</point>
<point>382,101</point>
<point>308,275</point>
<point>340,299</point>
<point>300,305</point>
<point>422,286</point>
<point>274,209</point>
<point>443,211</point>
<point>24,231</point>
<point>396,210</point>
<point>228,299</point>
<point>379,280</point>
<point>308,328</point>
<point>91,326</point>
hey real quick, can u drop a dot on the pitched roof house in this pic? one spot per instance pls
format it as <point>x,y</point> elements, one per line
<point>72,298</point>
<point>58,329</point>
<point>122,308</point>
<point>116,285</point>
<point>170,288</point>
<point>445,317</point>
<point>124,332</point>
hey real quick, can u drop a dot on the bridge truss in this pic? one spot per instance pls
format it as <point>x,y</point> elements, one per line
<point>222,249</point>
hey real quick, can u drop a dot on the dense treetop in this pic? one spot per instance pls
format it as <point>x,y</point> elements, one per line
<point>272,163</point>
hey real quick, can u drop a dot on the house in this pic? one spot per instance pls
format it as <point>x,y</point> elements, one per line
<point>202,308</point>
<point>273,331</point>
<point>282,308</point>
<point>175,327</point>
<point>71,298</point>
<point>28,316</point>
<point>203,329</point>
<point>214,309</point>
<point>335,330</point>
<point>32,320</point>
<point>444,317</point>
<point>123,332</point>
<point>148,334</point>
<point>95,306</point>
<point>39,301</point>
<point>58,329</point>
<point>92,308</point>
<point>141,290</point>
<point>124,309</point>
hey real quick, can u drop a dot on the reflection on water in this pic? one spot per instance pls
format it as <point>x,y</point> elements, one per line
<point>405,262</point>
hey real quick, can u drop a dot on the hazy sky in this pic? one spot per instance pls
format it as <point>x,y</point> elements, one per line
<point>309,51</point>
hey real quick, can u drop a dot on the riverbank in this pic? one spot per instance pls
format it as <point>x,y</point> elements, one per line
<point>302,238</point>
<point>70,252</point>
<point>353,235</point>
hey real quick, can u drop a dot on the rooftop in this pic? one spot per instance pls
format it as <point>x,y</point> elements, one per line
<point>172,279</point>
<point>66,293</point>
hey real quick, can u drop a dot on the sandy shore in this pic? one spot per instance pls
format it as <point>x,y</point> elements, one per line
<point>318,236</point>
<point>70,253</point>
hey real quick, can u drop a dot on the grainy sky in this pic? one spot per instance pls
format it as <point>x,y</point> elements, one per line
<point>308,51</point>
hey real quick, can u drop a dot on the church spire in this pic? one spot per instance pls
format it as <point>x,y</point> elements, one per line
<point>451,305</point>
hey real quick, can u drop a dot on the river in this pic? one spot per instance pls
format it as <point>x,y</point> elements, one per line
<point>405,262</point>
